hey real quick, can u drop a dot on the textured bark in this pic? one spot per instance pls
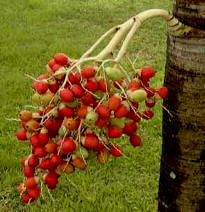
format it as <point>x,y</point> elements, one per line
<point>182,173</point>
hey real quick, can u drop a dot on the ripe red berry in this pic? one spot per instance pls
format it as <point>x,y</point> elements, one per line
<point>135,140</point>
<point>61,59</point>
<point>31,182</point>
<point>90,141</point>
<point>163,92</point>
<point>88,99</point>
<point>34,141</point>
<point>103,111</point>
<point>101,122</point>
<point>148,114</point>
<point>114,132</point>
<point>46,164</point>
<point>68,146</point>
<point>34,192</point>
<point>66,95</point>
<point>65,111</point>
<point>21,135</point>
<point>147,72</point>
<point>53,86</point>
<point>43,138</point>
<point>51,180</point>
<point>134,116</point>
<point>102,85</point>
<point>56,160</point>
<point>41,87</point>
<point>150,103</point>
<point>134,85</point>
<point>114,102</point>
<point>51,124</point>
<point>121,111</point>
<point>88,72</point>
<point>74,78</point>
<point>91,85</point>
<point>33,161</point>
<point>40,152</point>
<point>56,67</point>
<point>116,151</point>
<point>130,127</point>
<point>26,198</point>
<point>28,171</point>
<point>77,90</point>
<point>51,63</point>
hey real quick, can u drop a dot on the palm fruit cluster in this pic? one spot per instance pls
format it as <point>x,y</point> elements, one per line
<point>81,110</point>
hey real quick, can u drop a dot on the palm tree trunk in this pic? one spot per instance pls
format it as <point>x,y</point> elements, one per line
<point>182,173</point>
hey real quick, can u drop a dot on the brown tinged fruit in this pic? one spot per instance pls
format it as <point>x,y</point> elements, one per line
<point>102,157</point>
<point>51,148</point>
<point>25,115</point>
<point>82,111</point>
<point>79,162</point>
<point>32,125</point>
<point>71,123</point>
<point>65,167</point>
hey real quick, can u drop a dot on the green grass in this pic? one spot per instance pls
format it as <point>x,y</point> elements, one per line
<point>31,32</point>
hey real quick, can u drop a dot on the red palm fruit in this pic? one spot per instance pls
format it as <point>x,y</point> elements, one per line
<point>51,63</point>
<point>33,161</point>
<point>88,72</point>
<point>146,73</point>
<point>148,114</point>
<point>66,95</point>
<point>134,116</point>
<point>150,91</point>
<point>25,115</point>
<point>21,135</point>
<point>32,125</point>
<point>102,157</point>
<point>79,162</point>
<point>51,180</point>
<point>28,171</point>
<point>114,102</point>
<point>89,99</point>
<point>103,111</point>
<point>77,90</point>
<point>34,192</point>
<point>114,132</point>
<point>82,111</point>
<point>31,182</point>
<point>102,85</point>
<point>40,152</point>
<point>46,164</point>
<point>61,59</point>
<point>41,87</point>
<point>116,151</point>
<point>20,188</point>
<point>43,76</point>
<point>130,127</point>
<point>101,122</point>
<point>91,85</point>
<point>26,198</point>
<point>150,102</point>
<point>53,86</point>
<point>134,85</point>
<point>43,138</point>
<point>100,147</point>
<point>163,92</point>
<point>135,105</point>
<point>34,141</point>
<point>120,82</point>
<point>65,167</point>
<point>65,111</point>
<point>135,140</point>
<point>68,146</point>
<point>56,160</point>
<point>71,123</point>
<point>51,148</point>
<point>121,111</point>
<point>51,124</point>
<point>74,78</point>
<point>90,141</point>
<point>56,67</point>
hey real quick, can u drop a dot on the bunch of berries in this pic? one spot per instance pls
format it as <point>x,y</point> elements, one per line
<point>81,110</point>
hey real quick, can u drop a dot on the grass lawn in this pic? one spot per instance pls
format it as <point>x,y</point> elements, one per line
<point>31,32</point>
